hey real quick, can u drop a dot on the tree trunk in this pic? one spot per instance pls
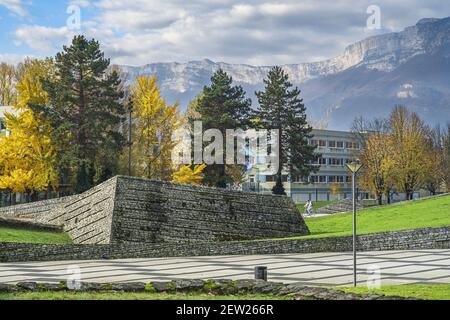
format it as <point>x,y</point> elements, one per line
<point>388,196</point>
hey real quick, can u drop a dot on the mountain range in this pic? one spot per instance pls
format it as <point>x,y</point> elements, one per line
<point>411,68</point>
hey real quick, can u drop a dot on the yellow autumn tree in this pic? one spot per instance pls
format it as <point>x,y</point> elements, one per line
<point>27,154</point>
<point>153,124</point>
<point>189,175</point>
<point>8,95</point>
<point>410,150</point>
<point>378,160</point>
<point>336,189</point>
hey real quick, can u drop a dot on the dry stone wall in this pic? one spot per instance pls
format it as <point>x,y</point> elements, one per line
<point>429,238</point>
<point>126,210</point>
<point>33,210</point>
<point>86,217</point>
<point>149,212</point>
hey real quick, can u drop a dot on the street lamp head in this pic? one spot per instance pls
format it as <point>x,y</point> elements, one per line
<point>354,166</point>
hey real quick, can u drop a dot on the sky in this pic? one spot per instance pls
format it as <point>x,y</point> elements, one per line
<point>263,32</point>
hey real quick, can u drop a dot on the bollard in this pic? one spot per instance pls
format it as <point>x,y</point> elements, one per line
<point>261,273</point>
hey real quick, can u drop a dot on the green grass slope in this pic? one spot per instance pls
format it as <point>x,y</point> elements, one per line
<point>426,213</point>
<point>31,236</point>
<point>421,291</point>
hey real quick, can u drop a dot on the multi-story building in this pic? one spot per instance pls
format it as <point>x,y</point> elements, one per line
<point>332,181</point>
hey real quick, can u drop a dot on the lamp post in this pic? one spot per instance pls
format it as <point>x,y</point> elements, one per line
<point>130,142</point>
<point>354,167</point>
<point>257,180</point>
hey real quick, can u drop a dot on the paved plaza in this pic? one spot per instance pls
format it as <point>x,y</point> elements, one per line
<point>320,269</point>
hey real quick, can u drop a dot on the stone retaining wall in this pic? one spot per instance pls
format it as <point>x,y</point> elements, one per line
<point>25,224</point>
<point>86,217</point>
<point>159,212</point>
<point>127,210</point>
<point>430,238</point>
<point>33,210</point>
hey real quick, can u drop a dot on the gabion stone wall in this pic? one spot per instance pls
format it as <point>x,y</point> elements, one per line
<point>126,210</point>
<point>419,239</point>
<point>157,212</point>
<point>148,212</point>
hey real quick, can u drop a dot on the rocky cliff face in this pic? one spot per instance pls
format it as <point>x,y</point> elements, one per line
<point>351,82</point>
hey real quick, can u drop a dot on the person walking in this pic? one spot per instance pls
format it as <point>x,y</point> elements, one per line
<point>308,207</point>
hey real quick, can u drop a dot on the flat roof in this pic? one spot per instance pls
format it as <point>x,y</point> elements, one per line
<point>325,131</point>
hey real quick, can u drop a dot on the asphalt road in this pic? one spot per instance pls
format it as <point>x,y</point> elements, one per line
<point>319,269</point>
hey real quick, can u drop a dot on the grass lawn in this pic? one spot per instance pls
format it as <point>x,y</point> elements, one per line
<point>416,214</point>
<point>127,296</point>
<point>316,205</point>
<point>31,236</point>
<point>422,291</point>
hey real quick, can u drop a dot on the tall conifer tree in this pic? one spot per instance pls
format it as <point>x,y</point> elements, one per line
<point>280,107</point>
<point>223,106</point>
<point>85,110</point>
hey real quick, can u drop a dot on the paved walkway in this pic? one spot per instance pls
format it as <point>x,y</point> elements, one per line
<point>396,267</point>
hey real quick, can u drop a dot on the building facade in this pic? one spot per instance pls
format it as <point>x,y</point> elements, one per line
<point>331,182</point>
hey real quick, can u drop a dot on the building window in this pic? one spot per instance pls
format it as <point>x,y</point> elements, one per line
<point>319,143</point>
<point>322,161</point>
<point>297,179</point>
<point>331,144</point>
<point>352,145</point>
<point>318,179</point>
<point>336,179</point>
<point>284,178</point>
<point>340,144</point>
<point>336,162</point>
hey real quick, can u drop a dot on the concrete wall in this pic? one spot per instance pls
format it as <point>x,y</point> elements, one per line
<point>430,238</point>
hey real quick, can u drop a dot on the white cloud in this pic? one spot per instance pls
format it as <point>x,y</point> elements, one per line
<point>43,39</point>
<point>81,3</point>
<point>13,58</point>
<point>15,6</point>
<point>255,32</point>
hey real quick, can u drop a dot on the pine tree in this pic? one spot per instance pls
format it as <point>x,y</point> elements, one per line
<point>281,108</point>
<point>223,106</point>
<point>85,110</point>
